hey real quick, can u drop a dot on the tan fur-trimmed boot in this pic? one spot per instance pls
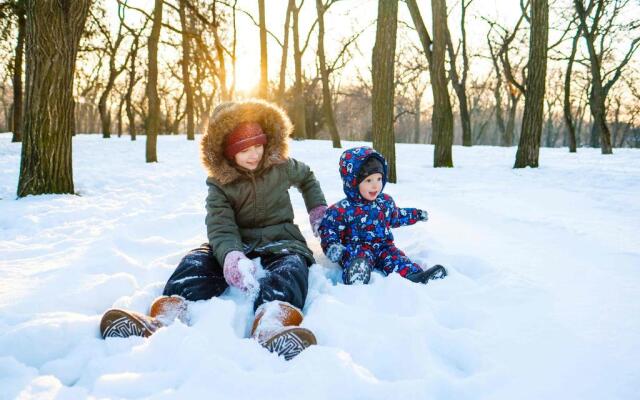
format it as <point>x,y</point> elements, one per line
<point>124,323</point>
<point>167,309</point>
<point>276,327</point>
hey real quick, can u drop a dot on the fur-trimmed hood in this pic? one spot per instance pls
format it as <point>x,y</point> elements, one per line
<point>275,124</point>
<point>350,162</point>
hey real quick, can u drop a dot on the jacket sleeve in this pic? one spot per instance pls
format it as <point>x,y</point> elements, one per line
<point>222,230</point>
<point>401,216</point>
<point>331,228</point>
<point>301,176</point>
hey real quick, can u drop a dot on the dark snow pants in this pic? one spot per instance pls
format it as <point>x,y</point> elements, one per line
<point>199,277</point>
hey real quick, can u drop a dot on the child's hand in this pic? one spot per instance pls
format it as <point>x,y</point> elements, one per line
<point>237,275</point>
<point>335,251</point>
<point>315,218</point>
<point>423,215</point>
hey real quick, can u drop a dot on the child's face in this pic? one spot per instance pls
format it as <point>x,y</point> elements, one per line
<point>371,186</point>
<point>250,157</point>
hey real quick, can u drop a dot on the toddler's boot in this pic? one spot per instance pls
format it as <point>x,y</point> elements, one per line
<point>358,272</point>
<point>435,272</point>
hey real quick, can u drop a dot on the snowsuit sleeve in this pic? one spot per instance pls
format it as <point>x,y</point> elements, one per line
<point>331,228</point>
<point>401,216</point>
<point>301,176</point>
<point>222,230</point>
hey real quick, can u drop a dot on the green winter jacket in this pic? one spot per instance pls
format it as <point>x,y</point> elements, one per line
<point>250,211</point>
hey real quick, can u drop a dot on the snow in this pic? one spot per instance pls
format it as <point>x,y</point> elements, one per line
<point>542,298</point>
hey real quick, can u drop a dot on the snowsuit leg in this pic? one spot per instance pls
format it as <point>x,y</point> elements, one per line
<point>197,277</point>
<point>287,280</point>
<point>391,259</point>
<point>353,253</point>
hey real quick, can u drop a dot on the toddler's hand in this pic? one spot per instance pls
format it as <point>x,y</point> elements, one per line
<point>335,251</point>
<point>423,215</point>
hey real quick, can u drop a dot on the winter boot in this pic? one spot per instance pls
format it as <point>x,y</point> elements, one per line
<point>122,323</point>
<point>167,308</point>
<point>164,310</point>
<point>276,327</point>
<point>435,272</point>
<point>357,272</point>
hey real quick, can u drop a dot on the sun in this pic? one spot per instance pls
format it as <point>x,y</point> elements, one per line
<point>247,75</point>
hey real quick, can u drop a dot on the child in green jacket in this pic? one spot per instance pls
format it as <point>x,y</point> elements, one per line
<point>249,215</point>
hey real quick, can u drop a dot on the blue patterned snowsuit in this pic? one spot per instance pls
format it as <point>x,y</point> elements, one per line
<point>363,226</point>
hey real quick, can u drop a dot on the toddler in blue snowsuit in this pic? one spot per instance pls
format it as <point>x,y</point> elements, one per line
<point>356,231</point>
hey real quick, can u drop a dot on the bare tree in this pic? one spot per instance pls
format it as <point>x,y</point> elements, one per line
<point>383,79</point>
<point>596,25</point>
<point>285,49</point>
<point>529,146</point>
<point>510,68</point>
<point>45,164</point>
<point>263,92</point>
<point>442,117</point>
<point>459,82</point>
<point>299,117</point>
<point>327,107</point>
<point>153,117</point>
<point>18,9</point>
<point>111,50</point>
<point>567,109</point>
<point>186,75</point>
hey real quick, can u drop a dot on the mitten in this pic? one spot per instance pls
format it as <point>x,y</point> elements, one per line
<point>315,218</point>
<point>423,215</point>
<point>335,251</point>
<point>233,274</point>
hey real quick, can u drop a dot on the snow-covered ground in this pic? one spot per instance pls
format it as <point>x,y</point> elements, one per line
<point>542,300</point>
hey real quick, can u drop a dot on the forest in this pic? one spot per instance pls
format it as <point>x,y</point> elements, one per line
<point>551,73</point>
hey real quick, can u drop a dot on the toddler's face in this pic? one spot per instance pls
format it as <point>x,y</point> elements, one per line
<point>250,157</point>
<point>371,186</point>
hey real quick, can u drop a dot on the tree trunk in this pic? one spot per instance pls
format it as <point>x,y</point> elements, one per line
<point>442,119</point>
<point>497,95</point>
<point>105,114</point>
<point>598,110</point>
<point>264,75</point>
<point>285,50</point>
<point>568,118</point>
<point>153,117</point>
<point>53,31</point>
<point>120,105</point>
<point>598,93</point>
<point>222,68</point>
<point>417,104</point>
<point>327,108</point>
<point>509,132</point>
<point>17,77</point>
<point>459,87</point>
<point>460,83</point>
<point>131,116</point>
<point>382,93</point>
<point>299,123</point>
<point>529,145</point>
<point>186,77</point>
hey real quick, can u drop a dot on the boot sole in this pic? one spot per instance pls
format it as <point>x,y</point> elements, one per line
<point>290,342</point>
<point>122,324</point>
